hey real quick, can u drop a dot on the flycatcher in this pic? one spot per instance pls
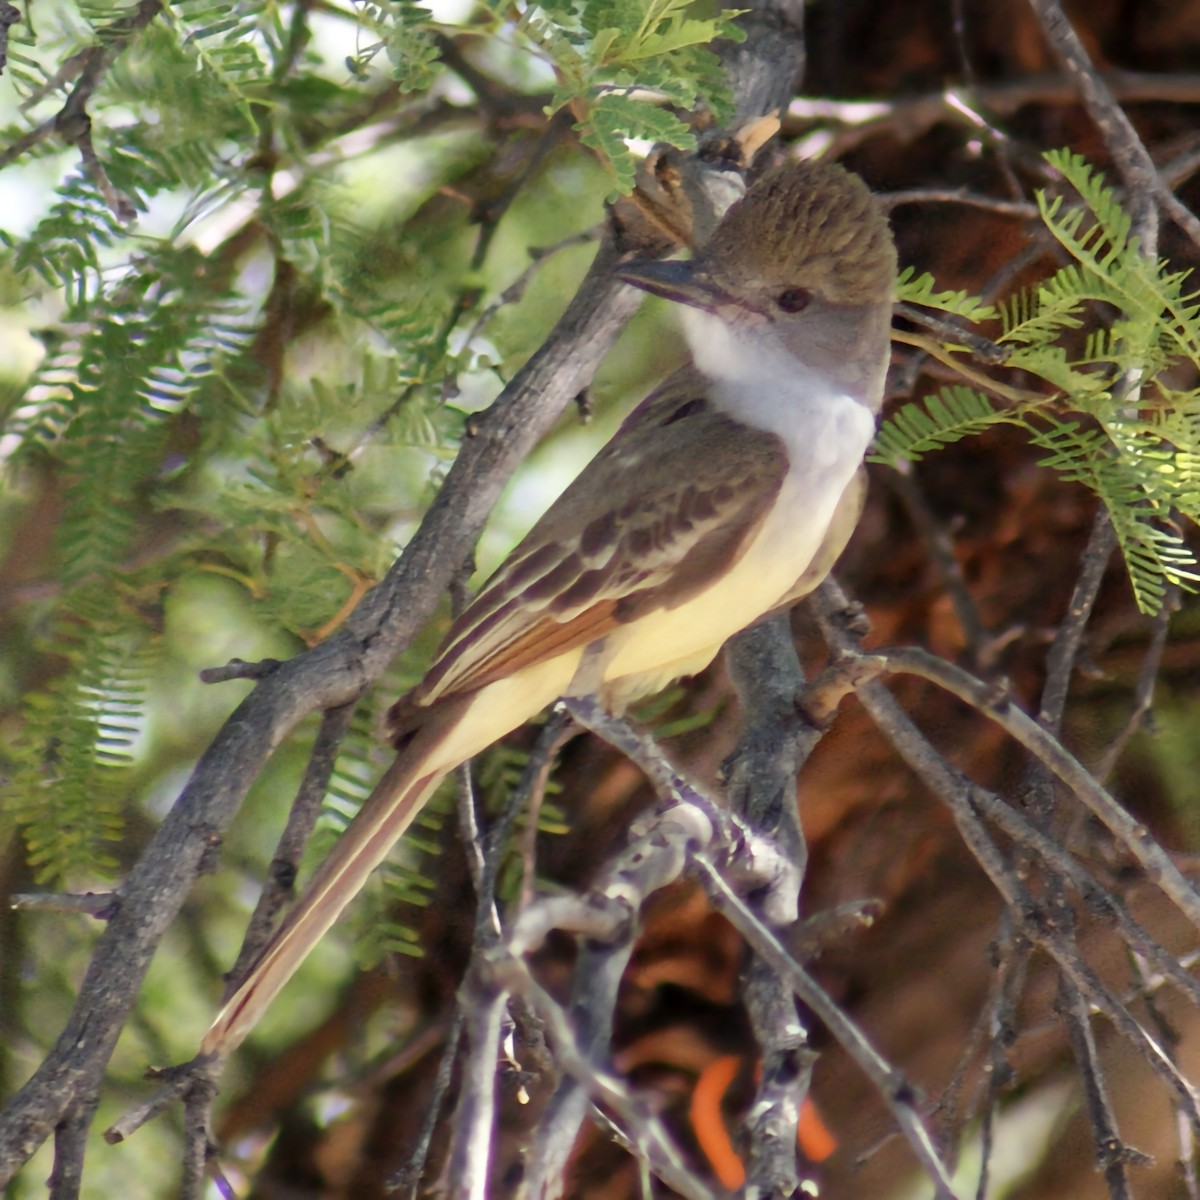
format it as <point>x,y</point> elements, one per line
<point>726,495</point>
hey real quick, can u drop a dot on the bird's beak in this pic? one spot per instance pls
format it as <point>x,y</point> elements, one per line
<point>678,281</point>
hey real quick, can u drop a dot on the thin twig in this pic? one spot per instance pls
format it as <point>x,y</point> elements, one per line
<point>1129,832</point>
<point>408,1177</point>
<point>178,1082</point>
<point>910,118</point>
<point>1013,970</point>
<point>1060,662</point>
<point>1147,680</point>
<point>983,1036</point>
<point>984,349</point>
<point>641,1126</point>
<point>526,797</point>
<point>485,851</point>
<point>1005,208</point>
<point>1169,1037</point>
<point>1112,1156</point>
<point>100,905</point>
<point>1145,191</point>
<point>1185,163</point>
<point>1146,188</point>
<point>72,122</point>
<point>474,1117</point>
<point>70,1138</point>
<point>470,834</point>
<point>936,350</point>
<point>1030,838</point>
<point>236,668</point>
<point>516,289</point>
<point>955,790</point>
<point>952,789</point>
<point>941,547</point>
<point>897,1093</point>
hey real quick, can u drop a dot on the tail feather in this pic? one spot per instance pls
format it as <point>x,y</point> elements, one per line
<point>389,810</point>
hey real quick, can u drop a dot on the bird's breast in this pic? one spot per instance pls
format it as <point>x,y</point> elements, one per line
<point>825,447</point>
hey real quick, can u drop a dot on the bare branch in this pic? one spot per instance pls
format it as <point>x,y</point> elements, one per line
<point>71,122</point>
<point>955,791</point>
<point>952,789</point>
<point>1111,1156</point>
<point>474,1118</point>
<point>1060,662</point>
<point>235,668</point>
<point>895,1090</point>
<point>100,905</point>
<point>904,484</point>
<point>1005,208</point>
<point>1130,833</point>
<point>1147,679</point>
<point>643,1129</point>
<point>1032,840</point>
<point>909,118</point>
<point>1146,187</point>
<point>408,1178</point>
<point>331,674</point>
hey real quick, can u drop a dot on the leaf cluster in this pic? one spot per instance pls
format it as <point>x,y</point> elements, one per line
<point>1104,332</point>
<point>622,65</point>
<point>249,385</point>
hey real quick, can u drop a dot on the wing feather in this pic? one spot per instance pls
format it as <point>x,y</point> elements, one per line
<point>601,557</point>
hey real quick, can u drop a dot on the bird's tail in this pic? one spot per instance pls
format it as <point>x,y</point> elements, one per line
<point>387,813</point>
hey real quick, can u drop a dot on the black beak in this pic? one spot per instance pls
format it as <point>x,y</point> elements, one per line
<point>678,281</point>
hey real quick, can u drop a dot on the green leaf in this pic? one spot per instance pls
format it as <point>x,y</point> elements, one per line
<point>676,33</point>
<point>1154,555</point>
<point>922,290</point>
<point>613,117</point>
<point>410,38</point>
<point>950,415</point>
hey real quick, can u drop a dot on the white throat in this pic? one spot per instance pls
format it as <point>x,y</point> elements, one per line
<point>734,355</point>
<point>758,381</point>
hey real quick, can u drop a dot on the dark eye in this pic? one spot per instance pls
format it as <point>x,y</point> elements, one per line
<point>793,300</point>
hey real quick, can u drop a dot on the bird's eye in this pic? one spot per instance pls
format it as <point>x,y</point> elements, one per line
<point>793,300</point>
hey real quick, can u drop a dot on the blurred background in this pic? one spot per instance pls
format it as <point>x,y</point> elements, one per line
<point>224,417</point>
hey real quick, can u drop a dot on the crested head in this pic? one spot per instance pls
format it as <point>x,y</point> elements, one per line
<point>806,225</point>
<point>793,289</point>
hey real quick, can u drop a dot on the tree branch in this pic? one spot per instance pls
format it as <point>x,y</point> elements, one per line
<point>331,674</point>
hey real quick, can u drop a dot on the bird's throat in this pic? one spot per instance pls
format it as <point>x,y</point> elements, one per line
<point>755,379</point>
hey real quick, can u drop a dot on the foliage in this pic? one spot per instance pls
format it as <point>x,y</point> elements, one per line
<point>611,56</point>
<point>953,413</point>
<point>1111,419</point>
<point>285,255</point>
<point>912,288</point>
<point>251,380</point>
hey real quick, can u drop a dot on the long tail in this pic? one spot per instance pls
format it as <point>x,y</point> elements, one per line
<point>387,813</point>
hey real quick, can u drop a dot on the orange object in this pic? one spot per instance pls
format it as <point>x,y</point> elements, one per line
<point>813,1135</point>
<point>708,1123</point>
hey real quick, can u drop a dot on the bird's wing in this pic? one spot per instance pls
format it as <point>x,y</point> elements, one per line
<point>605,554</point>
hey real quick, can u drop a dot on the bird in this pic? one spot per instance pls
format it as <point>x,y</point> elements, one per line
<point>725,496</point>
